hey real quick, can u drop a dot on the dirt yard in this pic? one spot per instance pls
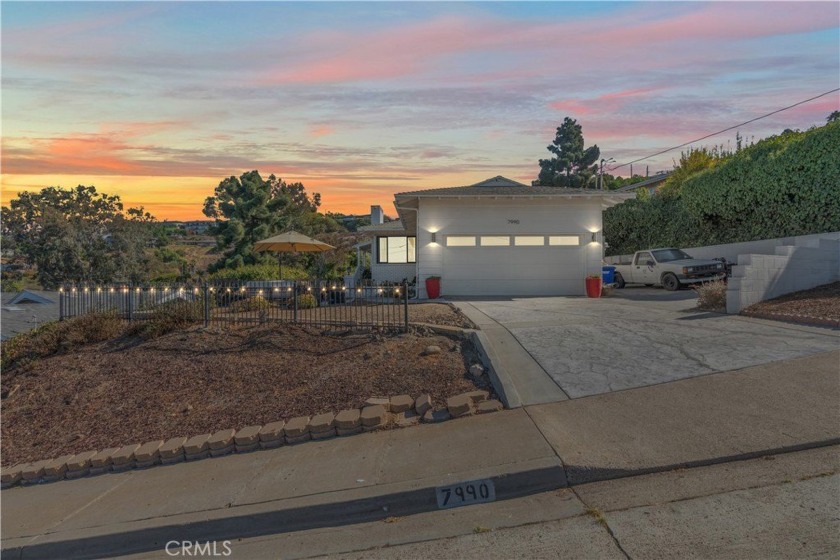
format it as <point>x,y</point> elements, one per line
<point>438,314</point>
<point>822,302</point>
<point>198,381</point>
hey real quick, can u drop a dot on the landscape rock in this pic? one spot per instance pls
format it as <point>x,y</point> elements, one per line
<point>348,431</point>
<point>297,427</point>
<point>401,403</point>
<point>476,370</point>
<point>271,435</point>
<point>381,401</point>
<point>459,405</point>
<point>406,419</point>
<point>172,450</point>
<point>79,464</point>
<point>196,447</point>
<point>490,406</point>
<point>221,440</point>
<point>123,459</point>
<point>10,476</point>
<point>348,419</point>
<point>435,416</point>
<point>298,439</point>
<point>101,462</point>
<point>148,454</point>
<point>477,396</point>
<point>247,437</point>
<point>374,416</point>
<point>422,404</point>
<point>322,423</point>
<point>431,349</point>
<point>32,472</point>
<point>55,469</point>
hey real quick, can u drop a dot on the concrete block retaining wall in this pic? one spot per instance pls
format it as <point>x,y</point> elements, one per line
<point>808,262</point>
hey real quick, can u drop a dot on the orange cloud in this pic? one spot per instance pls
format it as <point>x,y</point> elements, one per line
<point>320,130</point>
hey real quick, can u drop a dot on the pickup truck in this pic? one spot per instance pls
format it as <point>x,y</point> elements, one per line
<point>670,267</point>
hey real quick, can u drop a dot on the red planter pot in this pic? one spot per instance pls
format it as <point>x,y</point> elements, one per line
<point>433,288</point>
<point>593,287</point>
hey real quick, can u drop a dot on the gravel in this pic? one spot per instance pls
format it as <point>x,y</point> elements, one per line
<point>203,380</point>
<point>822,302</point>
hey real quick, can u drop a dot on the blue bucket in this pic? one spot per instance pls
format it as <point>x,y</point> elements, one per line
<point>608,274</point>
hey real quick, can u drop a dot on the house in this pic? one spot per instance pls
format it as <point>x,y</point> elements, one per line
<point>494,238</point>
<point>651,185</point>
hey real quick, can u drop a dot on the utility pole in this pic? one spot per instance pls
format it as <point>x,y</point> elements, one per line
<point>601,174</point>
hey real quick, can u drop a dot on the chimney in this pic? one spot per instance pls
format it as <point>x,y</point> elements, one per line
<point>376,215</point>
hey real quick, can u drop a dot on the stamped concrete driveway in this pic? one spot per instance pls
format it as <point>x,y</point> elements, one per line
<point>643,336</point>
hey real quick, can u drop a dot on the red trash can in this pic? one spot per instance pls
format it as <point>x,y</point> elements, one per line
<point>593,286</point>
<point>433,287</point>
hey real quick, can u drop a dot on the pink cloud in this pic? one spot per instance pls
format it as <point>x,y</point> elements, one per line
<point>318,130</point>
<point>606,103</point>
<point>415,48</point>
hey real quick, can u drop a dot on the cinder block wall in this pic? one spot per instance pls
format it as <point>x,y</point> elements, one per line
<point>806,263</point>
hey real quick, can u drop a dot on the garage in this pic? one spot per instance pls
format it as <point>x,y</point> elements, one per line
<point>499,237</point>
<point>504,265</point>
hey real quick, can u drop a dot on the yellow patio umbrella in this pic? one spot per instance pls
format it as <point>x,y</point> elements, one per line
<point>291,242</point>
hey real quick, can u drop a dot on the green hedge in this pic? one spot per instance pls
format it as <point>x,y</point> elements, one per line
<point>782,186</point>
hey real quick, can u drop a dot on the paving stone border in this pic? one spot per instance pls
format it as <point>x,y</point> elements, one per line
<point>377,413</point>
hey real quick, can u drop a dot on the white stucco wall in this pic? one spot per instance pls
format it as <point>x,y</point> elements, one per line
<point>540,216</point>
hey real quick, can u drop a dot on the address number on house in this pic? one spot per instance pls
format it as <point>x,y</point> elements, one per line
<point>465,493</point>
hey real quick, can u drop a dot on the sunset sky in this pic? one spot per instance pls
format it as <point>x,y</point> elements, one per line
<point>157,102</point>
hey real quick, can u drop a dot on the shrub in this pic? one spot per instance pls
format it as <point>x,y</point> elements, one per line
<point>168,317</point>
<point>60,336</point>
<point>252,272</point>
<point>12,286</point>
<point>307,301</point>
<point>711,295</point>
<point>256,303</point>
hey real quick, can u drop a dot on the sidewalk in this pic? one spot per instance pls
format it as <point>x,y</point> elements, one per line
<point>705,420</point>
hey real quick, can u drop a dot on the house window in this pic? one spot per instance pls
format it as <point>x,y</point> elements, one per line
<point>396,250</point>
<point>460,241</point>
<point>563,240</point>
<point>529,240</point>
<point>495,240</point>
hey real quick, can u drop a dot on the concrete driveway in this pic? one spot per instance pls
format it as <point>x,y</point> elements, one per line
<point>637,337</point>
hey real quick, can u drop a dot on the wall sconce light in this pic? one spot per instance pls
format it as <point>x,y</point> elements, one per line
<point>594,236</point>
<point>434,237</point>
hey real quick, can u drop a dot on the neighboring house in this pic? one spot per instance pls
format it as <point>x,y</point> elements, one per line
<point>494,238</point>
<point>24,311</point>
<point>651,185</point>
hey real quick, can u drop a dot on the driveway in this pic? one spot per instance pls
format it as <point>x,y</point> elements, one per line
<point>642,336</point>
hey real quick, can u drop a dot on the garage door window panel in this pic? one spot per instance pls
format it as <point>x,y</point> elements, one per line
<point>529,240</point>
<point>564,240</point>
<point>495,240</point>
<point>460,241</point>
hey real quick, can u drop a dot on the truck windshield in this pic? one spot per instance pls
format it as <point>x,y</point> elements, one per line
<point>668,255</point>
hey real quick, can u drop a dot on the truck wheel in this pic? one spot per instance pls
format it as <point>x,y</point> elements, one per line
<point>670,282</point>
<point>619,281</point>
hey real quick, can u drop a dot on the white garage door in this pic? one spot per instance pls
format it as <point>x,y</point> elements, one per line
<point>523,265</point>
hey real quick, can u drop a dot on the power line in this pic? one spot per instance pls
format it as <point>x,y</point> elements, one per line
<point>724,130</point>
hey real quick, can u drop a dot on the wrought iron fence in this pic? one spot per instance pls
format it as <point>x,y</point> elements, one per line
<point>307,302</point>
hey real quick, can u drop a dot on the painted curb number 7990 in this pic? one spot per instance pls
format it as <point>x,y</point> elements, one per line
<point>465,493</point>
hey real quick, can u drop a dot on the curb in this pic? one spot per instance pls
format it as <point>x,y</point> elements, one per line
<point>500,378</point>
<point>363,510</point>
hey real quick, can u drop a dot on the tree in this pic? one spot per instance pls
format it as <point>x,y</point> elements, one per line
<point>692,162</point>
<point>834,116</point>
<point>572,165</point>
<point>250,208</point>
<point>78,235</point>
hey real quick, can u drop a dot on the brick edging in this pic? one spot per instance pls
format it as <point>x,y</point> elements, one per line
<point>793,318</point>
<point>378,413</point>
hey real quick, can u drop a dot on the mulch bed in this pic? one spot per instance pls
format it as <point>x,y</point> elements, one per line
<point>199,381</point>
<point>439,314</point>
<point>821,305</point>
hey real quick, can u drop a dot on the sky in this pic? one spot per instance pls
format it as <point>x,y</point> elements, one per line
<point>158,102</point>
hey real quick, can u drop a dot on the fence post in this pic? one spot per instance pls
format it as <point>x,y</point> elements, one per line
<point>405,302</point>
<point>130,301</point>
<point>61,304</point>
<point>295,302</point>
<point>206,305</point>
